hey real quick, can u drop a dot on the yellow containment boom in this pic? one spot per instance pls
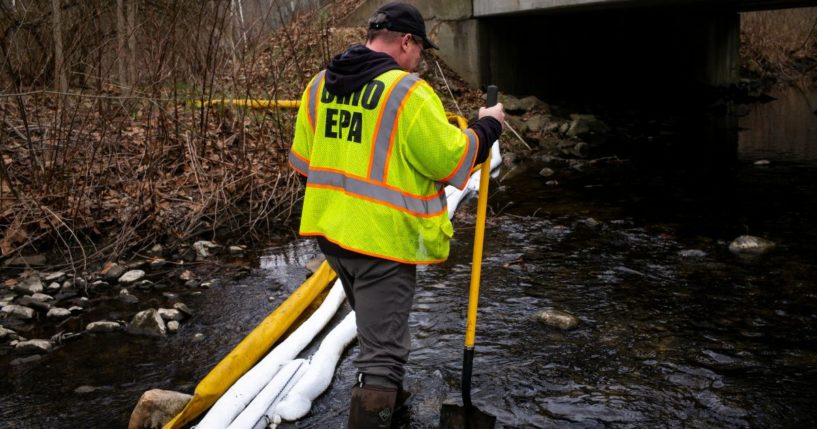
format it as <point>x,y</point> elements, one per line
<point>254,346</point>
<point>252,104</point>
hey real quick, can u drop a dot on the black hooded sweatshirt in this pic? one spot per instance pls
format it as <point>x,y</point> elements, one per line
<point>354,68</point>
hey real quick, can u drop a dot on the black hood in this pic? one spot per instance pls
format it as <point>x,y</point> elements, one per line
<point>354,68</point>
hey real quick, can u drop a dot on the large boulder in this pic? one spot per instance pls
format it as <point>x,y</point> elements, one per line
<point>147,322</point>
<point>157,407</point>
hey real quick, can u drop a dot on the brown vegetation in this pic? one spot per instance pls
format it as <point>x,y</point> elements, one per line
<point>780,45</point>
<point>123,158</point>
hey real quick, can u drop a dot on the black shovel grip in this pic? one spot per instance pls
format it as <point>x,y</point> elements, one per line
<point>493,92</point>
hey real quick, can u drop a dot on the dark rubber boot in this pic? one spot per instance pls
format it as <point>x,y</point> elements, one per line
<point>372,407</point>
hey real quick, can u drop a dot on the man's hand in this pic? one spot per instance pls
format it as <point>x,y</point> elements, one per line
<point>497,112</point>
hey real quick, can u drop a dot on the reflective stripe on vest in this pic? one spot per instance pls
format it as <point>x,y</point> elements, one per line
<point>298,163</point>
<point>386,127</point>
<point>419,206</point>
<point>463,170</point>
<point>314,95</point>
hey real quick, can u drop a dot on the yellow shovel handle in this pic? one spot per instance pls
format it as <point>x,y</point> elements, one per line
<point>476,261</point>
<point>479,239</point>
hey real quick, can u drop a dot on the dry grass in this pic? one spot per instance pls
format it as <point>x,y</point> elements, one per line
<point>780,43</point>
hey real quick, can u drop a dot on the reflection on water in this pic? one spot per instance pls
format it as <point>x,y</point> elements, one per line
<point>785,128</point>
<point>675,331</point>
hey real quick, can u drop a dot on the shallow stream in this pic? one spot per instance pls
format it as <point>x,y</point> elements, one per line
<point>674,330</point>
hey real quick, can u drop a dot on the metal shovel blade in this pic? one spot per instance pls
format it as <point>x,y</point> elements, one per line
<point>453,416</point>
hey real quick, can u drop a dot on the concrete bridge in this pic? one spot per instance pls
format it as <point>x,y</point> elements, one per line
<point>570,48</point>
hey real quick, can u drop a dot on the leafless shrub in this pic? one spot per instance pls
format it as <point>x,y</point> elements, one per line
<point>126,157</point>
<point>781,43</point>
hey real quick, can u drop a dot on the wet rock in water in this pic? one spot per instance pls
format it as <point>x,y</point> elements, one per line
<point>750,245</point>
<point>552,183</point>
<point>147,322</point>
<point>198,337</point>
<point>29,284</point>
<point>761,162</point>
<point>558,319</point>
<point>75,309</point>
<point>113,272</point>
<point>589,222</point>
<point>315,263</point>
<point>546,172</point>
<point>103,326</point>
<point>85,389</point>
<point>183,308</point>
<point>23,261</point>
<point>18,312</point>
<point>53,287</point>
<point>692,253</point>
<point>131,277</point>
<point>237,250</point>
<point>156,408</point>
<point>168,314</point>
<point>58,313</point>
<point>173,326</point>
<point>33,346</point>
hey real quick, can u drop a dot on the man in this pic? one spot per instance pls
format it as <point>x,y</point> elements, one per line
<point>376,148</point>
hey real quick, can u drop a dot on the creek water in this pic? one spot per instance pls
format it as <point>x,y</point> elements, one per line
<point>674,330</point>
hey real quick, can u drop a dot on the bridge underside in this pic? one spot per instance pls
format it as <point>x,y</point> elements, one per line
<point>616,53</point>
<point>485,8</point>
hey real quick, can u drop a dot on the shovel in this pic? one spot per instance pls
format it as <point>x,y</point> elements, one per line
<point>467,416</point>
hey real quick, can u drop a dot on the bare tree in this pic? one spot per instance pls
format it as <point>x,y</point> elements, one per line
<point>60,78</point>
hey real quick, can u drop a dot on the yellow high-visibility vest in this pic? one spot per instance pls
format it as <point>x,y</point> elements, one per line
<point>377,162</point>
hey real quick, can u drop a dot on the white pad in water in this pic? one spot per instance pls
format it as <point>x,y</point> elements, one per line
<point>299,400</point>
<point>271,395</point>
<point>247,387</point>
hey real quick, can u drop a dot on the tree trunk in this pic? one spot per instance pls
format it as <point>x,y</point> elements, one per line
<point>120,42</point>
<point>60,79</point>
<point>132,42</point>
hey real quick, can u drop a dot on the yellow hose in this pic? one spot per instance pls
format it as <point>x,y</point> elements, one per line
<point>253,347</point>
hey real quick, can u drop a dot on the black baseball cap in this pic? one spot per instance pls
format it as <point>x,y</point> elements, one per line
<point>404,18</point>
